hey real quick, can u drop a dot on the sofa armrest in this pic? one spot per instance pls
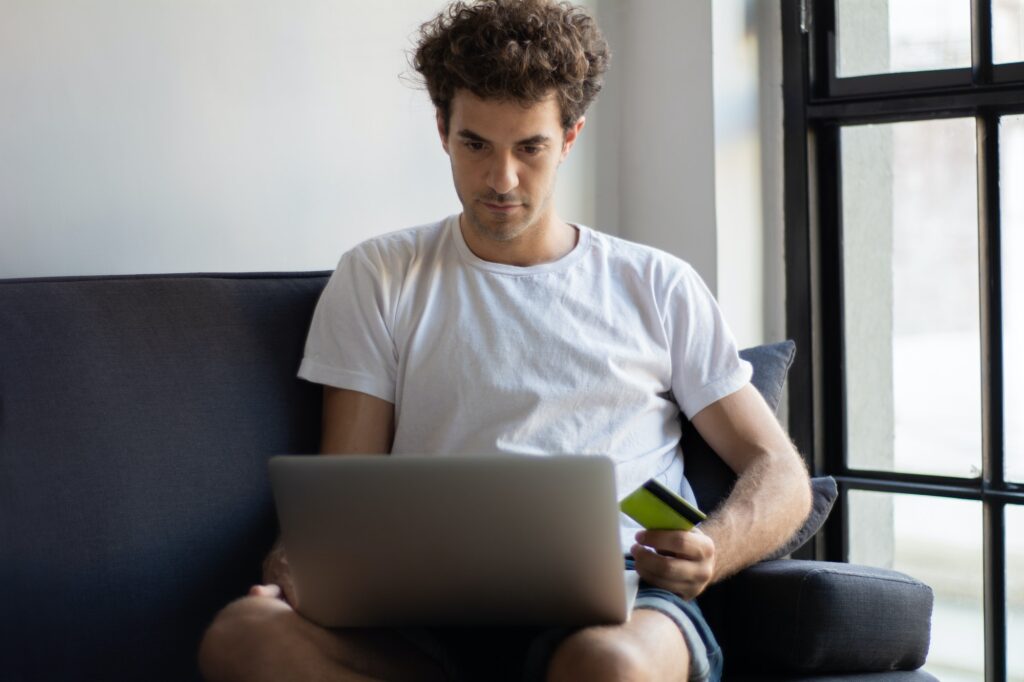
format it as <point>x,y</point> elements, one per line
<point>802,616</point>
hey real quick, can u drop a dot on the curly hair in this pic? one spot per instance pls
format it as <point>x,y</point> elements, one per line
<point>514,50</point>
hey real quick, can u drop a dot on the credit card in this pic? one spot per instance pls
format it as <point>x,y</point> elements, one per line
<point>655,507</point>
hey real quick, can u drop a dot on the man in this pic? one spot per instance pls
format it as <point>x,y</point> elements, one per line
<point>507,329</point>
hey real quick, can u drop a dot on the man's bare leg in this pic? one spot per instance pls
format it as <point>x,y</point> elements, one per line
<point>649,646</point>
<point>262,638</point>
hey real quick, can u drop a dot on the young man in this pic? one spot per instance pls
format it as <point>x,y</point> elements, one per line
<point>507,329</point>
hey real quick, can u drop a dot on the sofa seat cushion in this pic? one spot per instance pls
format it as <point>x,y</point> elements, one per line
<point>797,616</point>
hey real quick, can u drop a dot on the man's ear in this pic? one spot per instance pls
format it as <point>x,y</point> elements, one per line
<point>571,134</point>
<point>442,129</point>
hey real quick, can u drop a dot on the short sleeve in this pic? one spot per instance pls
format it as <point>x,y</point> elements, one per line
<point>706,365</point>
<point>350,344</point>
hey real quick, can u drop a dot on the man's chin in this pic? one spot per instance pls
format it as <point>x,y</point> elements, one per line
<point>502,228</point>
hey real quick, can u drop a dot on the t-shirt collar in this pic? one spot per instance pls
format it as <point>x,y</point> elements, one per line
<point>471,259</point>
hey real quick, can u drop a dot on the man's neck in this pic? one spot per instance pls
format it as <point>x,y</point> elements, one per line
<point>544,242</point>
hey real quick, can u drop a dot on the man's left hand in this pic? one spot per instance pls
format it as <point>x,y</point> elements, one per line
<point>682,561</point>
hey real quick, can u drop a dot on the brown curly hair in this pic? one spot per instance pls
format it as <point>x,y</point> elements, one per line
<point>513,49</point>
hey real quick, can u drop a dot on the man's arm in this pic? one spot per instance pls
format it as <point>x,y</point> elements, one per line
<point>354,423</point>
<point>769,501</point>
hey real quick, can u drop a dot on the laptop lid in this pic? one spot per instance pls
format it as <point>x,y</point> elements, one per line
<point>438,540</point>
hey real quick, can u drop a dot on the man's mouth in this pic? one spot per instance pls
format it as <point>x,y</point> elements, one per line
<point>502,208</point>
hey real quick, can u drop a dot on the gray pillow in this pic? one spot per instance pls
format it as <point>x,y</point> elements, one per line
<point>823,496</point>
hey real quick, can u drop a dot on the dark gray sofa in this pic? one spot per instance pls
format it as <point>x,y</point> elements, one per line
<point>136,418</point>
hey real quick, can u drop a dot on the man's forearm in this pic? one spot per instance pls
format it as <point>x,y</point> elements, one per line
<point>769,502</point>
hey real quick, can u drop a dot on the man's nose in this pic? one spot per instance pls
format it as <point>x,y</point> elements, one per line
<point>503,176</point>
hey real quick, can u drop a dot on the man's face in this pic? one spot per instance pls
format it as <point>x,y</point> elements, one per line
<point>504,160</point>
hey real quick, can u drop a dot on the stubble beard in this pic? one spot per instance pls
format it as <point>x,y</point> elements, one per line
<point>500,228</point>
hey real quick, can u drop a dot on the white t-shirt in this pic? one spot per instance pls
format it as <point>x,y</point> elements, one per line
<point>594,353</point>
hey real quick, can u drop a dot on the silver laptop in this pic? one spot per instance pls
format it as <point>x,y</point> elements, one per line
<point>488,540</point>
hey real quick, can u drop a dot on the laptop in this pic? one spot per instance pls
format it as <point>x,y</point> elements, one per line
<point>452,541</point>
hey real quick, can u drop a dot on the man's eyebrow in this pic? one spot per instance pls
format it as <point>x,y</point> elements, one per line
<point>470,135</point>
<point>535,140</point>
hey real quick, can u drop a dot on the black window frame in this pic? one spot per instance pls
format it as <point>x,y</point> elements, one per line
<point>816,105</point>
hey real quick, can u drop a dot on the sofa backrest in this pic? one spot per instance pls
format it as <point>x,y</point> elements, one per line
<point>136,418</point>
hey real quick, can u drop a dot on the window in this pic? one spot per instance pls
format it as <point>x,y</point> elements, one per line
<point>904,162</point>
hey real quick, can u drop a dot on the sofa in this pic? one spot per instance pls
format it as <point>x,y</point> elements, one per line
<point>137,414</point>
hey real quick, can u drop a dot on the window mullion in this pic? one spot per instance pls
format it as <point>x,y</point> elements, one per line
<point>990,305</point>
<point>990,273</point>
<point>799,284</point>
<point>823,51</point>
<point>830,268</point>
<point>995,590</point>
<point>981,41</point>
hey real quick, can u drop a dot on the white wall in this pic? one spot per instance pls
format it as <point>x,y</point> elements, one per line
<point>657,163</point>
<point>165,136</point>
<point>691,156</point>
<point>242,135</point>
<point>749,167</point>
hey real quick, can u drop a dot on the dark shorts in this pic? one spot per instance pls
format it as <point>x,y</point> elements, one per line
<point>523,654</point>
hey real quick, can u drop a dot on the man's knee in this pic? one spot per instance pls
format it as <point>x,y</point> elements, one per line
<point>238,636</point>
<point>595,654</point>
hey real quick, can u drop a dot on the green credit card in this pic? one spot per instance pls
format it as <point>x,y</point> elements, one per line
<point>655,507</point>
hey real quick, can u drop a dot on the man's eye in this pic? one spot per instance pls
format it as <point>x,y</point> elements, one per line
<point>532,149</point>
<point>474,146</point>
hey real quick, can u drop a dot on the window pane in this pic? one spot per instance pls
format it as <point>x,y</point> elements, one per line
<point>1015,591</point>
<point>937,541</point>
<point>887,36</point>
<point>910,285</point>
<point>1007,31</point>
<point>1011,154</point>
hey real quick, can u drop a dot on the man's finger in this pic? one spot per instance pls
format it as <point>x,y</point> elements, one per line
<point>682,576</point>
<point>651,564</point>
<point>676,543</point>
<point>658,570</point>
<point>273,591</point>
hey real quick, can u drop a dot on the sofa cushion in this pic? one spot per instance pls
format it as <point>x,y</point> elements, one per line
<point>136,418</point>
<point>793,616</point>
<point>887,676</point>
<point>823,495</point>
